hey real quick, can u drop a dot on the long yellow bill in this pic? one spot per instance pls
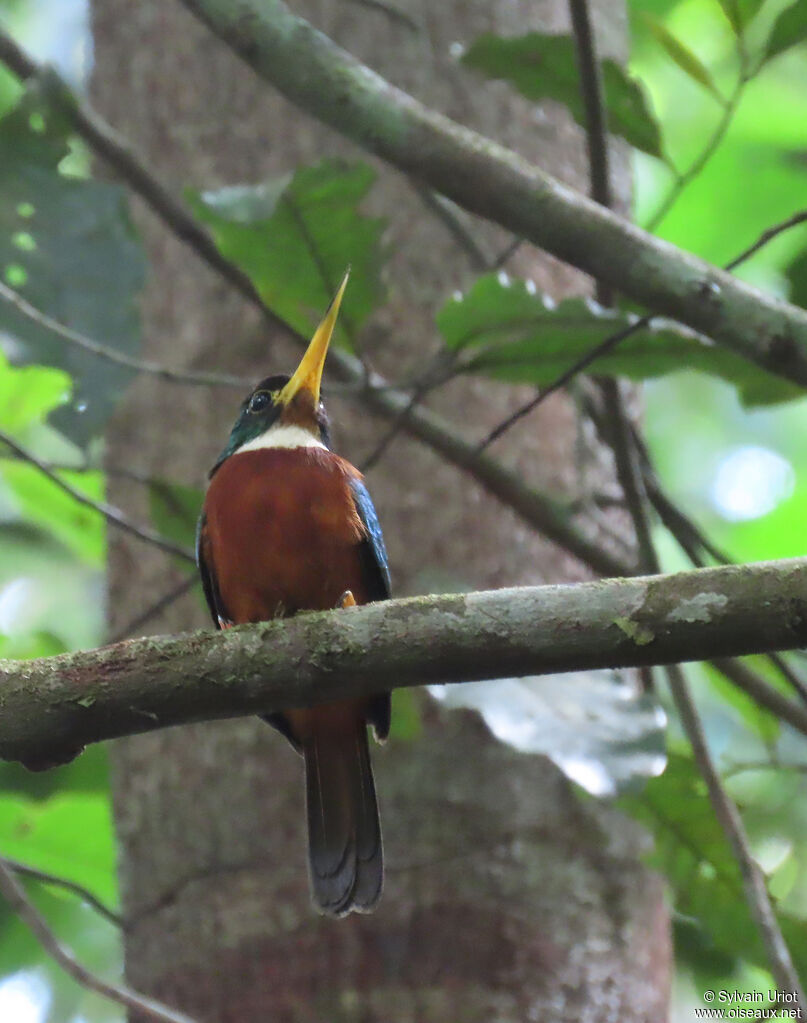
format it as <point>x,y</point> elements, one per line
<point>308,375</point>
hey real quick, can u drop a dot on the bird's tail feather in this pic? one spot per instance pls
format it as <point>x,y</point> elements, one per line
<point>344,833</point>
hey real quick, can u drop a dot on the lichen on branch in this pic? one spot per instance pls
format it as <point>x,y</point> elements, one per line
<point>51,707</point>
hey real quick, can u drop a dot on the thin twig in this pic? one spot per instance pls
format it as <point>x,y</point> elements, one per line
<point>693,541</point>
<point>597,141</point>
<point>393,430</point>
<point>683,181</point>
<point>492,181</point>
<point>87,344</point>
<point>625,455</point>
<point>685,531</point>
<point>113,515</point>
<point>606,346</point>
<point>728,816</point>
<point>534,507</point>
<point>789,675</point>
<point>620,439</point>
<point>440,372</point>
<point>507,253</point>
<point>591,91</point>
<point>768,235</point>
<point>599,350</point>
<point>24,870</point>
<point>154,610</point>
<point>20,904</point>
<point>766,695</point>
<point>443,210</point>
<point>394,13</point>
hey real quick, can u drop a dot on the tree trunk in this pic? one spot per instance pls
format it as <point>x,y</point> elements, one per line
<point>507,898</point>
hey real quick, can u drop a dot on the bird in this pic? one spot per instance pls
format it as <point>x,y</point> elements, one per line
<point>287,525</point>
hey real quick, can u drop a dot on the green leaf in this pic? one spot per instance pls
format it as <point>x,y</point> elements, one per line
<point>40,501</point>
<point>69,834</point>
<point>796,274</point>
<point>67,246</point>
<point>505,329</point>
<point>789,29</point>
<point>686,60</point>
<point>174,511</point>
<point>88,773</point>
<point>691,850</point>
<point>407,721</point>
<point>740,13</point>
<point>545,67</point>
<point>295,237</point>
<point>28,394</point>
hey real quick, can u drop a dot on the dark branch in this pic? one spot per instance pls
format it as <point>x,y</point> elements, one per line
<point>592,95</point>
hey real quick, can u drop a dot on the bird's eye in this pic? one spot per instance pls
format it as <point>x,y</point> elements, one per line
<point>259,401</point>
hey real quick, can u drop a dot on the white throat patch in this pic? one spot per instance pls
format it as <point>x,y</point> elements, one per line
<point>282,437</point>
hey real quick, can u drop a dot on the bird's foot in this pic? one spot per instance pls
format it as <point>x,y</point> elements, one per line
<point>346,600</point>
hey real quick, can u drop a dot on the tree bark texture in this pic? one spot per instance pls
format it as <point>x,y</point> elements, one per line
<point>507,898</point>
<point>61,703</point>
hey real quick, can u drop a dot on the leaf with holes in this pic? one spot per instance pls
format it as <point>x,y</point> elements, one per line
<point>295,237</point>
<point>507,330</point>
<point>545,67</point>
<point>68,247</point>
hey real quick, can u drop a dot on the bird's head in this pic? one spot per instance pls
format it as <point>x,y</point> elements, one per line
<point>284,411</point>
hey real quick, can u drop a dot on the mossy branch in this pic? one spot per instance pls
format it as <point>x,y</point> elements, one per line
<point>50,708</point>
<point>489,180</point>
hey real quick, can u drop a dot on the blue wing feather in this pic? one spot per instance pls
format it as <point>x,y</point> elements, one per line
<point>376,569</point>
<point>378,564</point>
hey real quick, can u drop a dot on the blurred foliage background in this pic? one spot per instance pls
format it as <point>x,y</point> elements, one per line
<point>721,155</point>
